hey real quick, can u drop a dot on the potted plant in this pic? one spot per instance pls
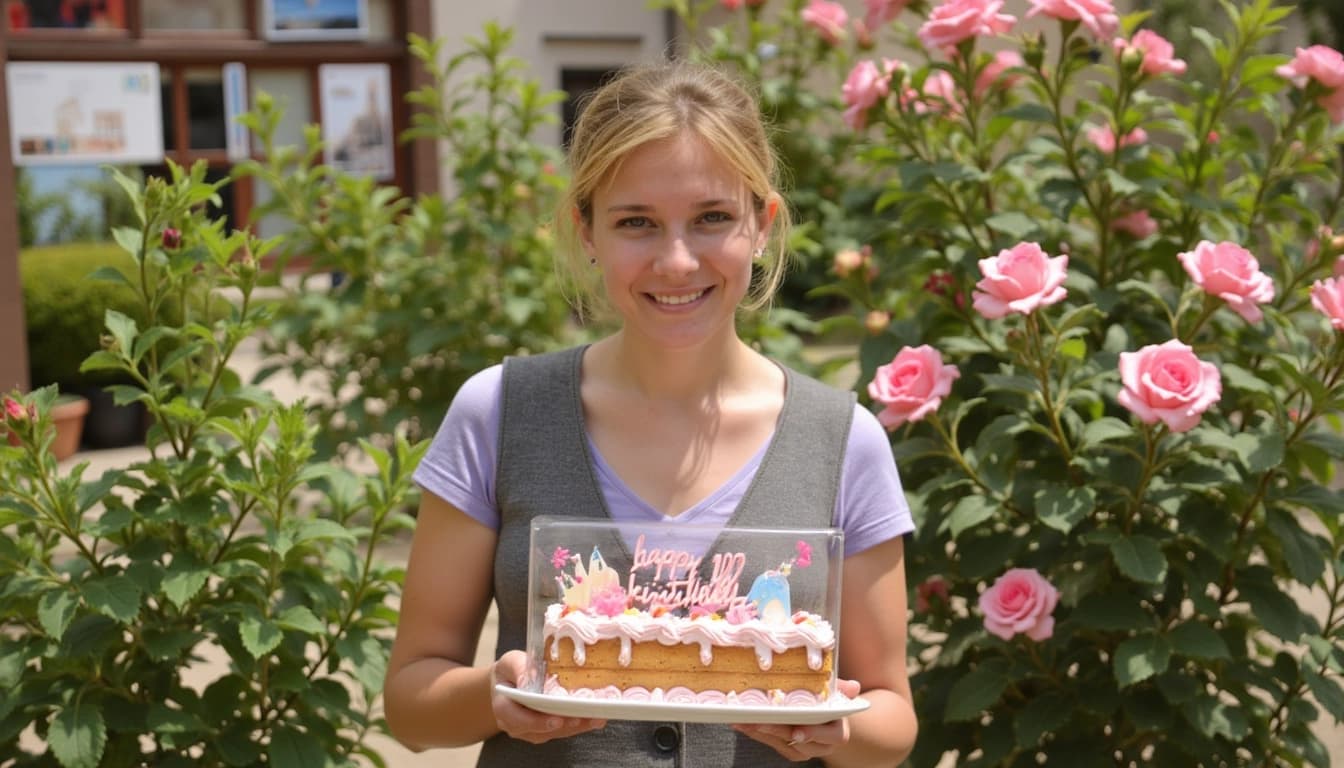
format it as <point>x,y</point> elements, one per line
<point>64,312</point>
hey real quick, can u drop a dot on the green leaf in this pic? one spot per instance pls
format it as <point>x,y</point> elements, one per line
<point>260,636</point>
<point>975,692</point>
<point>1276,611</point>
<point>78,734</point>
<point>293,748</point>
<point>164,719</point>
<point>1198,640</point>
<point>1104,429</point>
<point>1044,714</point>
<point>1030,113</point>
<point>1140,558</point>
<point>122,328</point>
<point>185,577</point>
<point>302,619</point>
<point>1015,224</point>
<point>1063,508</point>
<point>128,237</point>
<point>1327,693</point>
<point>319,529</point>
<point>1141,657</point>
<point>1214,718</point>
<point>1111,613</point>
<point>55,611</point>
<point>115,596</point>
<point>969,512</point>
<point>1302,551</point>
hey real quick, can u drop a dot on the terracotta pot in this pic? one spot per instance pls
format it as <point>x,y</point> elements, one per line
<point>68,413</point>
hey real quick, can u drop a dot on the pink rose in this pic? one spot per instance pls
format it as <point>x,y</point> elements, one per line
<point>730,5</point>
<point>1327,296</point>
<point>912,385</point>
<point>956,20</point>
<point>929,590</point>
<point>1097,15</point>
<point>879,12</point>
<point>939,96</point>
<point>1136,223</point>
<point>1019,279</point>
<point>1021,600</point>
<point>1166,381</point>
<point>828,18</point>
<point>1324,65</point>
<point>1231,273</point>
<point>1156,50</point>
<point>865,86</point>
<point>1104,137</point>
<point>993,73</point>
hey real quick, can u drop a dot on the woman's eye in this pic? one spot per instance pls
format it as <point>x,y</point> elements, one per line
<point>716,217</point>
<point>633,222</point>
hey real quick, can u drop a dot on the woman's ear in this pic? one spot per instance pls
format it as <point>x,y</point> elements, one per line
<point>584,229</point>
<point>767,216</point>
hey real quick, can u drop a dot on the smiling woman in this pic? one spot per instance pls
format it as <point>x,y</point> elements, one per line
<point>672,226</point>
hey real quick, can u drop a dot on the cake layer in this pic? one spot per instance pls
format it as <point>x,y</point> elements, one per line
<point>654,665</point>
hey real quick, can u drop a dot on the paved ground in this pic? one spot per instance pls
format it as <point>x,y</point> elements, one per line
<point>397,756</point>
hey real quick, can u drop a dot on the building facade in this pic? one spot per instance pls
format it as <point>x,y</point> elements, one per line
<point>134,83</point>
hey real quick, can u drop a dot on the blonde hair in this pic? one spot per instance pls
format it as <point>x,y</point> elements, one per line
<point>649,102</point>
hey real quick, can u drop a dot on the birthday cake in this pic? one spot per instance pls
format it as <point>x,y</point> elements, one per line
<point>676,633</point>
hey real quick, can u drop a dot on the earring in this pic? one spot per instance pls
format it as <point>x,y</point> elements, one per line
<point>760,254</point>
<point>592,261</point>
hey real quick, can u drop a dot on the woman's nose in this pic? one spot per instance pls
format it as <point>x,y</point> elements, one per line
<point>676,258</point>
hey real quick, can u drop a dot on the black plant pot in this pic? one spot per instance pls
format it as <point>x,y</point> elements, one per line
<point>109,425</point>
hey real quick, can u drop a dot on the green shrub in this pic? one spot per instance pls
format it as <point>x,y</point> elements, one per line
<point>229,537</point>
<point>64,308</point>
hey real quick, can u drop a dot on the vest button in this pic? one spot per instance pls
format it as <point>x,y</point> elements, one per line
<point>666,738</point>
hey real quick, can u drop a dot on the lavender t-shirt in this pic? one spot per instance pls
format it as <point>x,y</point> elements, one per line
<point>459,467</point>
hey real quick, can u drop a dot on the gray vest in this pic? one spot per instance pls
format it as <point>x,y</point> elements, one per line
<point>544,468</point>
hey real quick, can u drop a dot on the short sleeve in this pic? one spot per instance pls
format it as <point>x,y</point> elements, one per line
<point>871,506</point>
<point>459,466</point>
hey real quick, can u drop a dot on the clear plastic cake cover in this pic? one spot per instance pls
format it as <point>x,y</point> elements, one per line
<point>703,587</point>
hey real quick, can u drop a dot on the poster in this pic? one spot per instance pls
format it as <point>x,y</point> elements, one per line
<point>357,118</point>
<point>315,19</point>
<point>75,113</point>
<point>237,137</point>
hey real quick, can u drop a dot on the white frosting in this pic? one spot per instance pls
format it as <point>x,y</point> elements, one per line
<point>766,639</point>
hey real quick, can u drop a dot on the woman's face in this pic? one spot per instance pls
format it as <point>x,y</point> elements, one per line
<point>674,232</point>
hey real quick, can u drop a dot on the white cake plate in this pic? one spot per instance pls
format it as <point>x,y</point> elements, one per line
<point>834,708</point>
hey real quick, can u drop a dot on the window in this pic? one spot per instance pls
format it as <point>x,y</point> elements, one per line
<point>577,83</point>
<point>94,15</point>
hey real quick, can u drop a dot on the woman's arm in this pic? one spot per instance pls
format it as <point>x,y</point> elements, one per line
<point>433,696</point>
<point>873,652</point>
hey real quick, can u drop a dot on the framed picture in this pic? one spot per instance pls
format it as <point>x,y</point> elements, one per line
<point>315,19</point>
<point>357,118</point>
<point>76,113</point>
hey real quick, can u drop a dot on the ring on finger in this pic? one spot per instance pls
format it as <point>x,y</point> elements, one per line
<point>798,740</point>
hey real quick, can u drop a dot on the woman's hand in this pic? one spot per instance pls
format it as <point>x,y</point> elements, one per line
<point>525,723</point>
<point>804,742</point>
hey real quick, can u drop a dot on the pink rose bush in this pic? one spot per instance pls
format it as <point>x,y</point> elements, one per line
<point>912,385</point>
<point>1019,279</point>
<point>1021,601</point>
<point>1119,488</point>
<point>1231,273</point>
